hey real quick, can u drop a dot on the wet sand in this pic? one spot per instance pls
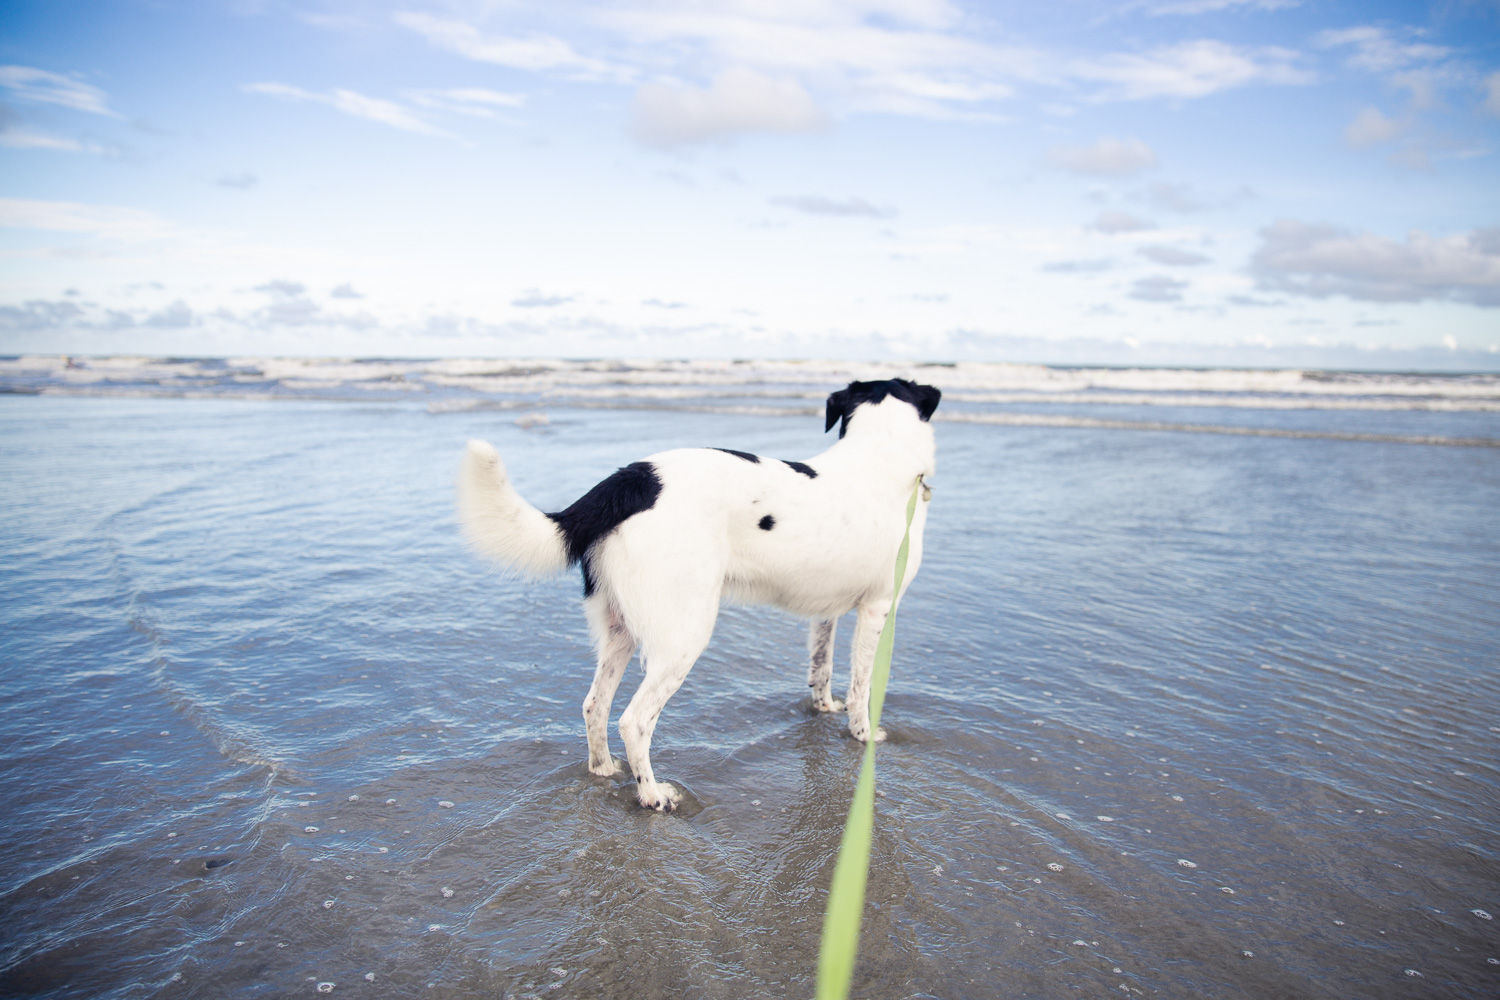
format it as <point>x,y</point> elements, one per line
<point>1171,715</point>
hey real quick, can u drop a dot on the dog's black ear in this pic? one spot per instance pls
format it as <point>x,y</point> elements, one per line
<point>927,400</point>
<point>838,408</point>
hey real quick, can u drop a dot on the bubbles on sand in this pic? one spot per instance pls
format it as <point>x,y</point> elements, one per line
<point>1054,866</point>
<point>1413,973</point>
<point>309,829</point>
<point>325,987</point>
<point>1482,915</point>
<point>447,892</point>
<point>1184,862</point>
<point>445,804</point>
<point>328,904</point>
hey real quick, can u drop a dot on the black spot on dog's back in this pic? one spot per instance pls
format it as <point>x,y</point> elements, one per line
<point>622,495</point>
<point>767,523</point>
<point>803,468</point>
<point>740,454</point>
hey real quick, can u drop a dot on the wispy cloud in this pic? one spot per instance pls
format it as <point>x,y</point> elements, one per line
<point>1370,128</point>
<point>1320,260</point>
<point>1121,222</point>
<point>1173,256</point>
<point>1378,51</point>
<point>110,222</point>
<point>535,51</point>
<point>1109,157</point>
<point>534,298</point>
<point>27,83</point>
<point>1188,7</point>
<point>352,103</point>
<point>1188,70</point>
<point>1158,288</point>
<point>739,101</point>
<point>477,102</point>
<point>814,204</point>
<point>1094,266</point>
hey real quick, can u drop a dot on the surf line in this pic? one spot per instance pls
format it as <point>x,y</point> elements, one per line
<point>1040,420</point>
<point>846,895</point>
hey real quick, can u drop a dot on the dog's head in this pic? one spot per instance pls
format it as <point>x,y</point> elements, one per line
<point>842,404</point>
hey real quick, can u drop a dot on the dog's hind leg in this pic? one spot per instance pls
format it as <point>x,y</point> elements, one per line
<point>820,665</point>
<point>665,673</point>
<point>867,626</point>
<point>615,647</point>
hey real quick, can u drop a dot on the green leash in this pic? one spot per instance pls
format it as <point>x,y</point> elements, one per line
<point>846,896</point>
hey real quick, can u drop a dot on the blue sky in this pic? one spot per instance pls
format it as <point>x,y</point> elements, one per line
<point>1255,182</point>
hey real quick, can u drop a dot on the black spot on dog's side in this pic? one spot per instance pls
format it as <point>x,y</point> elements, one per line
<point>842,404</point>
<point>802,467</point>
<point>740,454</point>
<point>767,523</point>
<point>624,494</point>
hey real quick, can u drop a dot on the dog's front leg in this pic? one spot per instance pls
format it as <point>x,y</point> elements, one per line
<point>867,625</point>
<point>820,665</point>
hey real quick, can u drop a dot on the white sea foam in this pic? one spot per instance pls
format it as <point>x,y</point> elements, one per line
<point>978,382</point>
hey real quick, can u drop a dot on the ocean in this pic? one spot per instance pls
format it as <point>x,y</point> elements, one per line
<point>1197,693</point>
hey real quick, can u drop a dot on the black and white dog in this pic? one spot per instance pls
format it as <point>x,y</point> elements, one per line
<point>663,541</point>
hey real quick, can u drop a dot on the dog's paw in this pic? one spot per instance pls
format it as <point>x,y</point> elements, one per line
<point>608,768</point>
<point>863,734</point>
<point>665,798</point>
<point>827,704</point>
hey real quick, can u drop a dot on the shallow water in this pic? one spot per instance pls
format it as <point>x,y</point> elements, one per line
<point>1171,715</point>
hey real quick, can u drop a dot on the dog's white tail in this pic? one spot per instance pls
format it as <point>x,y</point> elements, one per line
<point>499,523</point>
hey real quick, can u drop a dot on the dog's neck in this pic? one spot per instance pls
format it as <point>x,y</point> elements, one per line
<point>887,440</point>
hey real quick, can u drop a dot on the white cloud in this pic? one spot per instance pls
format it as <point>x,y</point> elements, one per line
<point>1319,261</point>
<point>1189,69</point>
<point>1121,222</point>
<point>926,58</point>
<point>1211,6</point>
<point>536,52</point>
<point>1109,157</point>
<point>25,138</point>
<point>28,83</point>
<point>1370,128</point>
<point>1375,50</point>
<point>814,204</point>
<point>175,316</point>
<point>1174,256</point>
<point>126,224</point>
<point>352,103</point>
<point>1180,197</point>
<point>1094,266</point>
<point>477,102</point>
<point>534,298</point>
<point>1158,288</point>
<point>739,101</point>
